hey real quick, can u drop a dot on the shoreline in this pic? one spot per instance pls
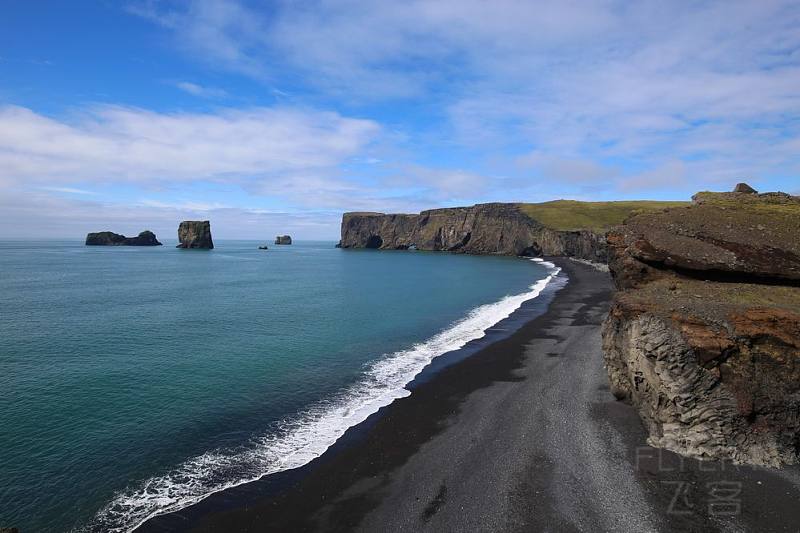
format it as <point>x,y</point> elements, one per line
<point>523,433</point>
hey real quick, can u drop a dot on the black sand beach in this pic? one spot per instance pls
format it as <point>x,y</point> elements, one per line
<point>524,435</point>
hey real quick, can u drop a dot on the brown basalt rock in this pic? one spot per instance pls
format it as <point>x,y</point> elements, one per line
<point>703,337</point>
<point>718,237</point>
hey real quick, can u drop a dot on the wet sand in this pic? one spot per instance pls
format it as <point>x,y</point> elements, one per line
<point>522,435</point>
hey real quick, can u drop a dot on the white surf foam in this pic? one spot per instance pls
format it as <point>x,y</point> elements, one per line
<point>307,435</point>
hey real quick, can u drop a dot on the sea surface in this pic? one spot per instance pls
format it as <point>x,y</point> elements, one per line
<point>134,381</point>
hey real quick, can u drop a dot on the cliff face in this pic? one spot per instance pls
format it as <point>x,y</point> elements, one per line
<point>195,234</point>
<point>480,229</point>
<point>703,337</point>
<point>108,238</point>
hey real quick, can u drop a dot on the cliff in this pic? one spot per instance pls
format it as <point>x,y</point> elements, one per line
<point>703,336</point>
<point>482,229</point>
<point>562,228</point>
<point>108,238</point>
<point>195,234</point>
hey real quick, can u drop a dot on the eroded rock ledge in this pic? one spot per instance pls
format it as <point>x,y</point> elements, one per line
<point>109,238</point>
<point>703,337</point>
<point>495,228</point>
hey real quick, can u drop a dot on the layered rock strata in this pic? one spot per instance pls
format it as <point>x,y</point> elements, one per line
<point>703,336</point>
<point>481,229</point>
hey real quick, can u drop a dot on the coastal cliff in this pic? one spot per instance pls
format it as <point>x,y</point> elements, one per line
<point>703,337</point>
<point>495,228</point>
<point>558,228</point>
<point>108,238</point>
<point>195,234</point>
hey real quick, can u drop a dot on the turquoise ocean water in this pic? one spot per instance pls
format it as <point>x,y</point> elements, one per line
<point>134,381</point>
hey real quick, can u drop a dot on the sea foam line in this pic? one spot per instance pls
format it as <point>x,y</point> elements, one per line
<point>308,434</point>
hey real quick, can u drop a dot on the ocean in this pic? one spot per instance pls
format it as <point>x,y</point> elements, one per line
<point>138,380</point>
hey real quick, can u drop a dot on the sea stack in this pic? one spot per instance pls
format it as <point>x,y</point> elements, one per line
<point>283,239</point>
<point>109,238</point>
<point>195,234</point>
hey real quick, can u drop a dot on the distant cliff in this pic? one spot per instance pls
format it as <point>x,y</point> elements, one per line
<point>703,336</point>
<point>108,238</point>
<point>561,228</point>
<point>195,234</point>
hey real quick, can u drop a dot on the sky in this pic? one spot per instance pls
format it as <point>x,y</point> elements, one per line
<point>270,117</point>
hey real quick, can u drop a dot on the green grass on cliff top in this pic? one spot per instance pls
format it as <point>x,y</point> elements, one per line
<point>595,216</point>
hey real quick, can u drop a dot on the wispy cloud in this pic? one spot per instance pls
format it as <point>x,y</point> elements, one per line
<point>641,84</point>
<point>201,91</point>
<point>69,190</point>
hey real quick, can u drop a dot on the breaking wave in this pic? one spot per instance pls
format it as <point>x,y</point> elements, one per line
<point>308,434</point>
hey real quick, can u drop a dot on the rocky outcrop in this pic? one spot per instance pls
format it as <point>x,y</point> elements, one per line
<point>195,234</point>
<point>745,188</point>
<point>283,239</point>
<point>108,238</point>
<point>723,236</point>
<point>481,229</point>
<point>703,336</point>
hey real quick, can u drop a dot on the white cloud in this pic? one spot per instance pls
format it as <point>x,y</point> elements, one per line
<point>68,190</point>
<point>116,144</point>
<point>712,84</point>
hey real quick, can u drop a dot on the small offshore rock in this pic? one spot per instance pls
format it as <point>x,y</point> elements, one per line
<point>283,239</point>
<point>109,238</point>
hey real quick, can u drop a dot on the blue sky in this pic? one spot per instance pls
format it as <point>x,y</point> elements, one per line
<point>274,117</point>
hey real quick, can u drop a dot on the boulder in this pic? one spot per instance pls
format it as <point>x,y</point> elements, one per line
<point>283,239</point>
<point>108,238</point>
<point>195,234</point>
<point>744,188</point>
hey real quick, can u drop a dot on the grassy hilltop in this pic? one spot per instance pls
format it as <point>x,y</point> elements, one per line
<point>566,215</point>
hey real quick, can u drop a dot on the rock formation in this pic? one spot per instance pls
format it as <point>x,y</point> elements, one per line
<point>703,336</point>
<point>283,239</point>
<point>481,229</point>
<point>108,238</point>
<point>744,188</point>
<point>195,234</point>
